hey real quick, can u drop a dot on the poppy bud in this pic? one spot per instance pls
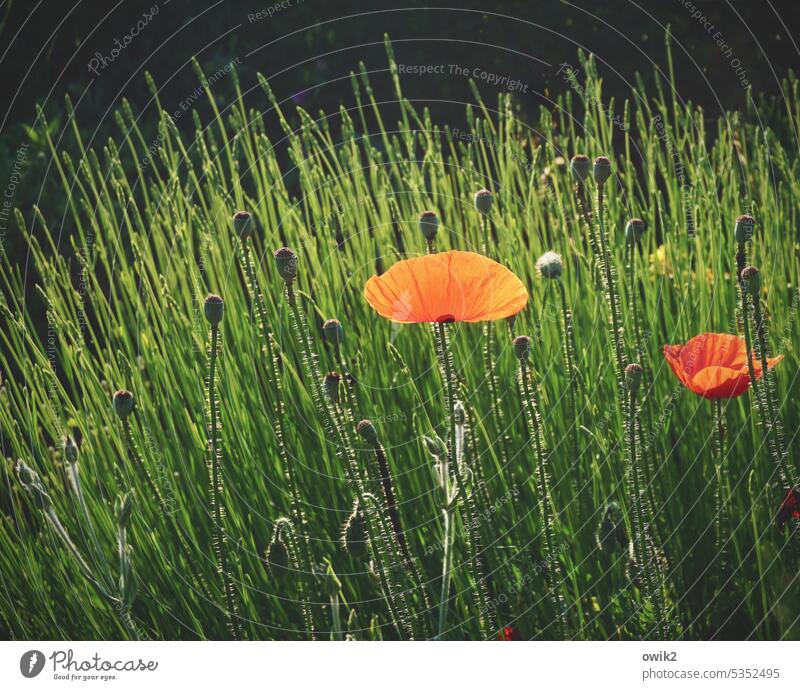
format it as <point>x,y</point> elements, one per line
<point>286,263</point>
<point>276,557</point>
<point>435,445</point>
<point>483,201</point>
<point>459,414</point>
<point>633,375</point>
<point>330,385</point>
<point>522,347</point>
<point>634,230</point>
<point>611,534</point>
<point>579,165</point>
<point>214,309</point>
<point>601,170</point>
<point>354,533</point>
<point>243,224</point>
<point>751,280</point>
<point>549,265</point>
<point>25,474</point>
<point>743,229</point>
<point>124,508</point>
<point>428,224</point>
<point>70,450</point>
<point>333,331</point>
<point>123,403</point>
<point>366,430</point>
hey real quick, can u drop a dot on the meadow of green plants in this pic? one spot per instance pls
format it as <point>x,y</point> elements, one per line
<point>239,500</point>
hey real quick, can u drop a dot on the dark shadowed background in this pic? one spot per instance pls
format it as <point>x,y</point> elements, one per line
<point>96,52</point>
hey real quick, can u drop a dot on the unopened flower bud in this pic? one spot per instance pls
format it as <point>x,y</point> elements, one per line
<point>633,375</point>
<point>611,534</point>
<point>428,224</point>
<point>243,224</point>
<point>354,533</point>
<point>25,474</point>
<point>70,450</point>
<point>330,385</point>
<point>276,558</point>
<point>522,347</point>
<point>483,201</point>
<point>751,280</point>
<point>579,165</point>
<point>435,446</point>
<point>123,403</point>
<point>333,331</point>
<point>286,263</point>
<point>634,230</point>
<point>367,431</point>
<point>743,229</point>
<point>549,265</point>
<point>214,309</point>
<point>601,170</point>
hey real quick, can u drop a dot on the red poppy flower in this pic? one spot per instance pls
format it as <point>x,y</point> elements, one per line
<point>509,634</point>
<point>450,286</point>
<point>714,365</point>
<point>790,508</point>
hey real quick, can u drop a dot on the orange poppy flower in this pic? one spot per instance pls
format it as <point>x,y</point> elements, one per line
<point>445,287</point>
<point>714,365</point>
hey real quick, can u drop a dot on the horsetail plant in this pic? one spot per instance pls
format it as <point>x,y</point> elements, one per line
<point>214,310</point>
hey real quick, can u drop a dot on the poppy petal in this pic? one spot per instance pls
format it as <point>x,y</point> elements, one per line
<point>449,286</point>
<point>714,365</point>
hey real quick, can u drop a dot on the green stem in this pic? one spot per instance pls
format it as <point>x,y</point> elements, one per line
<point>99,554</point>
<point>611,292</point>
<point>220,539</point>
<point>484,616</point>
<point>447,568</point>
<point>552,555</point>
<point>568,352</point>
<point>307,576</point>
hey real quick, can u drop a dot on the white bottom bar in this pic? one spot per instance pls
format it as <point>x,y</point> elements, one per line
<point>395,665</point>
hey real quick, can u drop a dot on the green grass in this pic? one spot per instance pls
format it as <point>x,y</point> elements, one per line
<point>123,279</point>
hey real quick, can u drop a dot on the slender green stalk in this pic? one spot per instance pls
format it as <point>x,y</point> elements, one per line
<point>568,351</point>
<point>214,454</point>
<point>552,548</point>
<point>611,290</point>
<point>721,535</point>
<point>274,378</point>
<point>485,617</point>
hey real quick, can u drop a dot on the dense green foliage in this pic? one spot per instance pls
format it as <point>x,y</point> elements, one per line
<point>147,235</point>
